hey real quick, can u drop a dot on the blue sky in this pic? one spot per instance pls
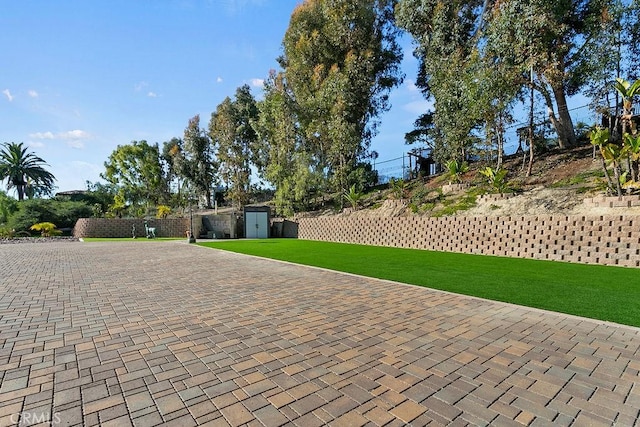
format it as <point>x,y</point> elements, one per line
<point>81,77</point>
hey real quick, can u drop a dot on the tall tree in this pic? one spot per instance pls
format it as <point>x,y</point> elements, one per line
<point>21,168</point>
<point>508,39</point>
<point>173,163</point>
<point>341,58</point>
<point>286,161</point>
<point>613,52</point>
<point>197,160</point>
<point>136,171</point>
<point>234,139</point>
<point>551,39</point>
<point>450,68</point>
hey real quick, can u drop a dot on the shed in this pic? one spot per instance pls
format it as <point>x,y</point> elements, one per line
<point>256,222</point>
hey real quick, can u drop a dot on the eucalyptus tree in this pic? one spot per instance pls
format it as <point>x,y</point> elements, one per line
<point>135,170</point>
<point>23,169</point>
<point>174,166</point>
<point>197,161</point>
<point>234,140</point>
<point>462,42</point>
<point>340,59</point>
<point>614,53</point>
<point>450,71</point>
<point>286,160</point>
<point>550,40</point>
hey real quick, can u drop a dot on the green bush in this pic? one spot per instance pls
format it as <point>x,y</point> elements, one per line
<point>8,206</point>
<point>34,211</point>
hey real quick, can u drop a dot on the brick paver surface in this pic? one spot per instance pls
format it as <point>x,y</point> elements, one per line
<point>150,333</point>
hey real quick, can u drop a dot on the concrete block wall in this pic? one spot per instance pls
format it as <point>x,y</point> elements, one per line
<point>605,239</point>
<point>613,202</point>
<point>494,197</point>
<point>122,227</point>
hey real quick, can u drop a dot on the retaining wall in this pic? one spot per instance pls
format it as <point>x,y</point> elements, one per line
<point>606,239</point>
<point>122,227</point>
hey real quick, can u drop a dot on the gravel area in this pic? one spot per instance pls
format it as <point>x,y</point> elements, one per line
<point>16,240</point>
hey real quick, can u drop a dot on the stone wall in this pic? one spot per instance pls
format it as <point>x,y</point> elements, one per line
<point>123,227</point>
<point>606,239</point>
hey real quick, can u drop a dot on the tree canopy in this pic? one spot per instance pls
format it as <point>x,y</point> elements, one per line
<point>24,171</point>
<point>476,56</point>
<point>340,60</point>
<point>136,171</point>
<point>234,141</point>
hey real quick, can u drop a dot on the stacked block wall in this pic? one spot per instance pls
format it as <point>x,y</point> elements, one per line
<point>607,239</point>
<point>613,202</point>
<point>122,227</point>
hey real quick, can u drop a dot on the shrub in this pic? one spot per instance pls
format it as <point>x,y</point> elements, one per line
<point>163,211</point>
<point>398,188</point>
<point>63,213</point>
<point>353,196</point>
<point>46,229</point>
<point>455,169</point>
<point>496,178</point>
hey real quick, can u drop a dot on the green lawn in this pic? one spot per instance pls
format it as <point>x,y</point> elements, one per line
<point>599,292</point>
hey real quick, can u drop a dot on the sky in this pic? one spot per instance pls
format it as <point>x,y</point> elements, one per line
<point>80,77</point>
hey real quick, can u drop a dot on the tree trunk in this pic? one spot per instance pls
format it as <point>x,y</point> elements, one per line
<point>616,173</point>
<point>564,124</point>
<point>606,173</point>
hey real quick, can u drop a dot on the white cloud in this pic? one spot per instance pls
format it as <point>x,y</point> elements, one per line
<point>219,80</point>
<point>152,95</point>
<point>33,94</point>
<point>42,135</point>
<point>36,144</point>
<point>74,134</point>
<point>73,138</point>
<point>7,93</point>
<point>257,82</point>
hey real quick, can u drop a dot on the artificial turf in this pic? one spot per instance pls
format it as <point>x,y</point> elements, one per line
<point>594,291</point>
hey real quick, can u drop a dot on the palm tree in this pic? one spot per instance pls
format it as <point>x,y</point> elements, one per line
<point>21,169</point>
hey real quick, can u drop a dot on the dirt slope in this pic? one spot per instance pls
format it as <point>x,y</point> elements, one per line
<point>559,182</point>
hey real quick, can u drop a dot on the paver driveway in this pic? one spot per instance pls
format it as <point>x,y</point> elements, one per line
<point>149,333</point>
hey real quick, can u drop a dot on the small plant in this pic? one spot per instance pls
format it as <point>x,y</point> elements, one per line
<point>455,169</point>
<point>163,211</point>
<point>7,233</point>
<point>496,178</point>
<point>96,210</point>
<point>46,229</point>
<point>353,196</point>
<point>398,188</point>
<point>451,207</point>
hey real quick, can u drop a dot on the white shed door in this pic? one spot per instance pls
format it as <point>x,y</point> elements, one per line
<point>257,226</point>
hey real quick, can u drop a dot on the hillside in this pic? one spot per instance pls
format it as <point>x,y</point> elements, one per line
<point>560,181</point>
